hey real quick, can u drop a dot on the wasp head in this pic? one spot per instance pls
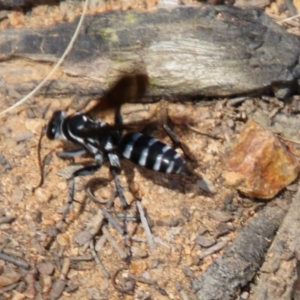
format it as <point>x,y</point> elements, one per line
<point>54,128</point>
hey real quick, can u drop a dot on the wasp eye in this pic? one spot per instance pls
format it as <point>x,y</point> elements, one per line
<point>54,125</point>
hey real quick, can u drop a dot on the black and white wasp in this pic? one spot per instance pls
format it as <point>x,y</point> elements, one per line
<point>107,142</point>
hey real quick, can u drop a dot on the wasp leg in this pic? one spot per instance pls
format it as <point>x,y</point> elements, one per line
<point>88,170</point>
<point>115,168</point>
<point>71,153</point>
<point>177,143</point>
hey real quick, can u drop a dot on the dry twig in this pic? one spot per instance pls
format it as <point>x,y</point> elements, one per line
<point>145,226</point>
<point>98,261</point>
<point>16,261</point>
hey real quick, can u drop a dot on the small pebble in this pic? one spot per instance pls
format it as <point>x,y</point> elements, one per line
<point>206,185</point>
<point>51,231</point>
<point>21,149</point>
<point>7,219</point>
<point>129,197</point>
<point>17,196</point>
<point>30,113</point>
<point>155,263</point>
<point>185,212</point>
<point>17,295</point>
<point>10,143</point>
<point>131,228</point>
<point>202,230</point>
<point>5,226</point>
<point>191,190</point>
<point>173,232</point>
<point>36,244</point>
<point>94,293</point>
<point>9,278</point>
<point>188,272</point>
<point>62,239</point>
<point>65,268</point>
<point>71,288</point>
<point>57,289</point>
<point>46,283</point>
<point>30,279</point>
<point>221,216</point>
<point>72,273</point>
<point>74,251</point>
<point>139,253</point>
<point>20,137</point>
<point>230,123</point>
<point>292,187</point>
<point>174,222</point>
<point>37,216</point>
<point>43,195</point>
<point>138,266</point>
<point>134,187</point>
<point>82,237</point>
<point>244,296</point>
<point>45,268</point>
<point>35,125</point>
<point>204,241</point>
<point>104,284</point>
<point>222,229</point>
<point>189,260</point>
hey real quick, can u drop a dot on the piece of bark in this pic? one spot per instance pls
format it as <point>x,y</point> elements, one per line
<point>278,273</point>
<point>242,259</point>
<point>187,51</point>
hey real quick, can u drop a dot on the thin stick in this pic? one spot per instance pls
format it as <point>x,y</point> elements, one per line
<point>16,261</point>
<point>204,133</point>
<point>183,295</point>
<point>67,51</point>
<point>217,247</point>
<point>281,137</point>
<point>8,288</point>
<point>288,19</point>
<point>146,226</point>
<point>65,268</point>
<point>81,258</point>
<point>98,261</point>
<point>113,242</point>
<point>113,222</point>
<point>100,243</point>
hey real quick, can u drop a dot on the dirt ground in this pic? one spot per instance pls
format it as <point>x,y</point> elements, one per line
<point>184,219</point>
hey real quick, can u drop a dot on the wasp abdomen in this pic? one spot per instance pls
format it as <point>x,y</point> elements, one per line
<point>150,153</point>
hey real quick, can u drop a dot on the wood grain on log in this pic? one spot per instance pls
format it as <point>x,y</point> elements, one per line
<point>278,273</point>
<point>243,258</point>
<point>210,51</point>
<point>25,3</point>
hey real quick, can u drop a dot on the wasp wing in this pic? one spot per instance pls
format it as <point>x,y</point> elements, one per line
<point>128,88</point>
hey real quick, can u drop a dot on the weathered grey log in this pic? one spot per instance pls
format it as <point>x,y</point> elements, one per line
<point>211,51</point>
<point>278,273</point>
<point>243,258</point>
<point>25,3</point>
<point>14,3</point>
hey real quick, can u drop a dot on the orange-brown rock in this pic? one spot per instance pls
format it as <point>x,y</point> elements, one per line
<point>260,165</point>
